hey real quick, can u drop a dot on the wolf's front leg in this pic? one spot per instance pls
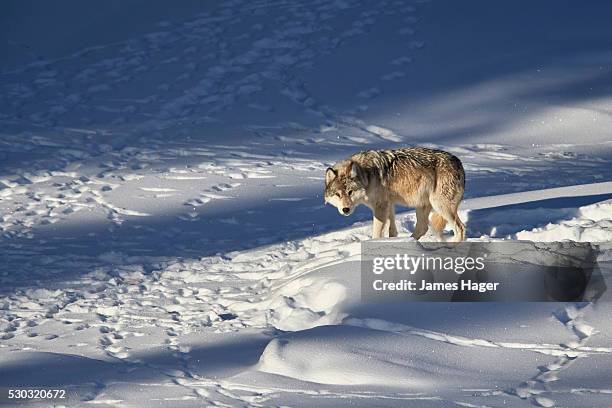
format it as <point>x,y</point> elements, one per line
<point>392,226</point>
<point>381,222</point>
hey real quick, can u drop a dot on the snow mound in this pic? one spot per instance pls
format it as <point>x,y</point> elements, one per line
<point>344,355</point>
<point>306,303</point>
<point>593,223</point>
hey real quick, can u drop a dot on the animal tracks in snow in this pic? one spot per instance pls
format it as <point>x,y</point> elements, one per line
<point>165,189</point>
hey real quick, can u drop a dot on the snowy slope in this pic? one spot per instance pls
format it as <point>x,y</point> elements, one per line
<point>205,330</point>
<point>163,236</point>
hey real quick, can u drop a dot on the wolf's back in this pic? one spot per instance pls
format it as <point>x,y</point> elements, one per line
<point>388,163</point>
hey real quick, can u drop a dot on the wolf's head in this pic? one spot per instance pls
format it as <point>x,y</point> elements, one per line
<point>345,186</point>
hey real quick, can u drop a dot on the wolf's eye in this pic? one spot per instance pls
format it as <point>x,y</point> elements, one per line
<point>337,194</point>
<point>350,192</point>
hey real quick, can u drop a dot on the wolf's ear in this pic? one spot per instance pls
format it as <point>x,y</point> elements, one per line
<point>358,173</point>
<point>330,175</point>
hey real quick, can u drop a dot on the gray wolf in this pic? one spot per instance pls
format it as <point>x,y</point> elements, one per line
<point>426,179</point>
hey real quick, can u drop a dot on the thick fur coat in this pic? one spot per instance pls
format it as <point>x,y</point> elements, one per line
<point>427,179</point>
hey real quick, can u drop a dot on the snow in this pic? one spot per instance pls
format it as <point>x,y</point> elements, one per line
<point>163,236</point>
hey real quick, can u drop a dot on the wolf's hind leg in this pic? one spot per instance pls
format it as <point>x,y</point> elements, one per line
<point>422,223</point>
<point>438,223</point>
<point>459,229</point>
<point>448,211</point>
<point>380,223</point>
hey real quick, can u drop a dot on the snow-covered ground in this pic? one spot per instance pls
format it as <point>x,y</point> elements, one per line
<point>163,238</point>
